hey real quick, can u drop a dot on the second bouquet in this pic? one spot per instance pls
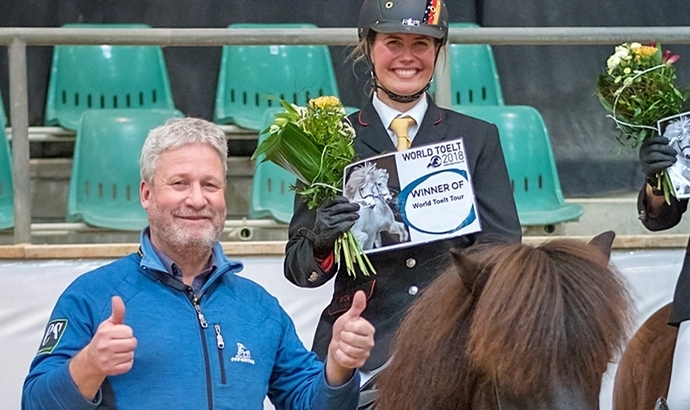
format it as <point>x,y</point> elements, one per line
<point>315,144</point>
<point>638,90</point>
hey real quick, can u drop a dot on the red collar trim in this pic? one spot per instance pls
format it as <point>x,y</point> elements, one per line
<point>361,120</point>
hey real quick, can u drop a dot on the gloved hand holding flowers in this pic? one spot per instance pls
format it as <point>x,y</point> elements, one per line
<point>638,89</point>
<point>315,144</point>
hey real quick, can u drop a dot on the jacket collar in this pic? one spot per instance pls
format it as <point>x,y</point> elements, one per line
<point>431,127</point>
<point>151,262</point>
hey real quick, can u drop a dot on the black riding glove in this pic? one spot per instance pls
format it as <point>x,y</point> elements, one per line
<point>332,219</point>
<point>655,156</point>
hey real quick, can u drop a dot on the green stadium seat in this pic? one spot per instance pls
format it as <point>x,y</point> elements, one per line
<point>104,187</point>
<point>6,187</point>
<point>271,193</point>
<point>531,164</point>
<point>251,78</point>
<point>473,73</point>
<point>105,77</point>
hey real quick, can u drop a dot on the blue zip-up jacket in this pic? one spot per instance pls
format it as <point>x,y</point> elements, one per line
<point>227,347</point>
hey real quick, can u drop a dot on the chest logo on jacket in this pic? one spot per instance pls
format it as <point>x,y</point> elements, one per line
<point>243,355</point>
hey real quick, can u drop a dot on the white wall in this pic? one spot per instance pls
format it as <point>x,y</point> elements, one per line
<point>30,288</point>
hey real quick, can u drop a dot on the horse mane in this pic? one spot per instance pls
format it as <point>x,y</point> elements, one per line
<point>429,346</point>
<point>678,128</point>
<point>530,318</point>
<point>357,178</point>
<point>379,173</point>
<point>557,312</point>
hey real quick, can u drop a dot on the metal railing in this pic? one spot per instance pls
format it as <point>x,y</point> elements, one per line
<point>18,39</point>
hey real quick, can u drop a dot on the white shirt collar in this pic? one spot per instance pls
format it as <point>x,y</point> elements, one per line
<point>388,114</point>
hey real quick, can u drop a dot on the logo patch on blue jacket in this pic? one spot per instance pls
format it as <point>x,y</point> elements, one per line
<point>243,355</point>
<point>53,334</point>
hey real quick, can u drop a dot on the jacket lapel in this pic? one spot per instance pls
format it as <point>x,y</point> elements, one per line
<point>433,127</point>
<point>367,117</point>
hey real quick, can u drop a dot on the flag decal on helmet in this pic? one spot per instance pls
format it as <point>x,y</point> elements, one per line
<point>432,14</point>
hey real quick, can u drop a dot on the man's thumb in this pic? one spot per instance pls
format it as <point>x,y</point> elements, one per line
<point>359,303</point>
<point>118,315</point>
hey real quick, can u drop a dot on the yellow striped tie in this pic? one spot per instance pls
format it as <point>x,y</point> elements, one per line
<point>400,126</point>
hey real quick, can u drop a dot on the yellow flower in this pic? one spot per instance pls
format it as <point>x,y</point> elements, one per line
<point>325,102</point>
<point>644,51</point>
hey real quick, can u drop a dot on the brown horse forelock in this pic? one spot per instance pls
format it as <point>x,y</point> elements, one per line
<point>552,315</point>
<point>532,318</point>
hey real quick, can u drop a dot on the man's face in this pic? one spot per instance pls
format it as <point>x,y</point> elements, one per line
<point>186,202</point>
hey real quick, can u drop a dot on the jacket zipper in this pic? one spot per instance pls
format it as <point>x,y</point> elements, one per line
<point>220,343</point>
<point>203,324</point>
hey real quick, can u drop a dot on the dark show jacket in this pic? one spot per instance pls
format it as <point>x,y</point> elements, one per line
<point>669,216</point>
<point>403,273</point>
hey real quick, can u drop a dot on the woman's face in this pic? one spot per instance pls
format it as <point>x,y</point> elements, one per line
<point>403,63</point>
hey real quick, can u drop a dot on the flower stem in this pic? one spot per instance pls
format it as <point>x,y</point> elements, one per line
<point>667,186</point>
<point>353,254</point>
<point>344,239</point>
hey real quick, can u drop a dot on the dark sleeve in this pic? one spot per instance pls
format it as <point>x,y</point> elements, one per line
<point>665,218</point>
<point>494,193</point>
<point>300,267</point>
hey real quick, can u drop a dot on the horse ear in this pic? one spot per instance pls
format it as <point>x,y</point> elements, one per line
<point>465,267</point>
<point>604,242</point>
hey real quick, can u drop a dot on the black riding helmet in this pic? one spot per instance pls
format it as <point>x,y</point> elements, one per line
<point>424,17</point>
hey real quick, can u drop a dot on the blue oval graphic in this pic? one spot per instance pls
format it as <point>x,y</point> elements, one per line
<point>407,191</point>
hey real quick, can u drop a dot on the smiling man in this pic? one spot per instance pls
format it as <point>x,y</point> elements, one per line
<point>172,326</point>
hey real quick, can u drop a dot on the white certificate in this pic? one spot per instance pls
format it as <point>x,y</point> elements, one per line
<point>415,196</point>
<point>677,130</point>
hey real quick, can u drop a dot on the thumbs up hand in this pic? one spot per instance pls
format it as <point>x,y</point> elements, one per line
<point>111,350</point>
<point>351,343</point>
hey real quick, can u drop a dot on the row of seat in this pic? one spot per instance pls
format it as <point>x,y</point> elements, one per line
<point>100,77</point>
<point>112,96</point>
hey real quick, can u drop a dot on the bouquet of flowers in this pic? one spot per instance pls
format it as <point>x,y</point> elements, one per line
<point>638,89</point>
<point>315,144</point>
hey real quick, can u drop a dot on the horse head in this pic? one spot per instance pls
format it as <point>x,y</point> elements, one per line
<point>367,184</point>
<point>379,177</point>
<point>524,326</point>
<point>357,179</point>
<point>678,134</point>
